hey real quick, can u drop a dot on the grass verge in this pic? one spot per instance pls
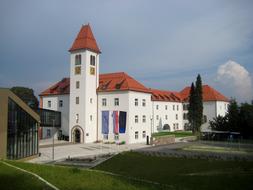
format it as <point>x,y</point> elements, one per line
<point>183,173</point>
<point>67,178</point>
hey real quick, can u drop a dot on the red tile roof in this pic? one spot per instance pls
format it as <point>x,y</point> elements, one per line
<point>85,40</point>
<point>118,82</point>
<point>60,88</point>
<point>107,82</point>
<point>209,94</point>
<point>167,96</point>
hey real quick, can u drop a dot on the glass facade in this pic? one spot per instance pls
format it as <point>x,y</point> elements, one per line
<point>22,136</point>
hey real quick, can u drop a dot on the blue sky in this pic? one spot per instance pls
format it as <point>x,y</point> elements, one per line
<point>163,44</point>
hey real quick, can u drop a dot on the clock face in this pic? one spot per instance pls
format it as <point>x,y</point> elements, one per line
<point>92,70</point>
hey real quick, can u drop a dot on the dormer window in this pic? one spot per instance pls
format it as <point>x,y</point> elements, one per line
<point>78,59</point>
<point>92,60</point>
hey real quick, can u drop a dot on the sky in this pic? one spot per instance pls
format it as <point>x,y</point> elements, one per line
<point>162,44</point>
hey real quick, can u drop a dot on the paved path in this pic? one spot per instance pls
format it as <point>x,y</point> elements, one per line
<point>82,150</point>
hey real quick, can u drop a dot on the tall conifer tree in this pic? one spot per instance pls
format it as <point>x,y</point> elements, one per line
<point>191,109</point>
<point>199,103</point>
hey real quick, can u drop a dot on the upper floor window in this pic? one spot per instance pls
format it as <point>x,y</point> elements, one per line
<point>157,117</point>
<point>92,60</point>
<point>143,119</point>
<point>49,104</point>
<point>136,119</point>
<point>185,116</point>
<point>91,100</point>
<point>136,135</point>
<point>104,102</point>
<point>143,102</point>
<point>176,117</point>
<point>116,101</point>
<point>77,100</point>
<point>90,117</point>
<point>185,106</point>
<point>77,84</point>
<point>157,107</point>
<point>173,107</point>
<point>61,103</point>
<point>166,107</point>
<point>136,101</point>
<point>166,117</point>
<point>78,59</point>
<point>177,107</point>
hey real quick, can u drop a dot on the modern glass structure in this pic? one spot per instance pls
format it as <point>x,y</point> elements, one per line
<point>18,127</point>
<point>22,134</point>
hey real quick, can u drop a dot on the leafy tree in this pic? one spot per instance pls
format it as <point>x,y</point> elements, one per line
<point>191,109</point>
<point>27,95</point>
<point>219,123</point>
<point>233,116</point>
<point>246,120</point>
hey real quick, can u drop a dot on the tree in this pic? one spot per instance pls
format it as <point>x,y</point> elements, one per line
<point>27,95</point>
<point>195,113</point>
<point>199,103</point>
<point>191,110</point>
<point>246,120</point>
<point>233,116</point>
<point>219,123</point>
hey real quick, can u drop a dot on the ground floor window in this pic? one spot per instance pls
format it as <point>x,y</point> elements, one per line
<point>143,134</point>
<point>136,134</point>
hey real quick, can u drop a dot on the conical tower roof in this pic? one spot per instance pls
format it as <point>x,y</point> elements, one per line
<point>85,40</point>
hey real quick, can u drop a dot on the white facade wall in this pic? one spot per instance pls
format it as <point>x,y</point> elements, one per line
<point>87,107</point>
<point>141,112</point>
<point>123,106</point>
<point>127,104</point>
<point>55,105</point>
<point>171,116</point>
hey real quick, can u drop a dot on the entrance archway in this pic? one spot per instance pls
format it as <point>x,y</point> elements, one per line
<point>77,136</point>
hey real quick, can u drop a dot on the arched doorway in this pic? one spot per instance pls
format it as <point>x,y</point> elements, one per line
<point>77,136</point>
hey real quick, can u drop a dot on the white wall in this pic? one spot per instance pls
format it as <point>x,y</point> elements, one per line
<point>127,104</point>
<point>160,114</point>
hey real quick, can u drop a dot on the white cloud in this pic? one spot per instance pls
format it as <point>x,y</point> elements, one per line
<point>236,80</point>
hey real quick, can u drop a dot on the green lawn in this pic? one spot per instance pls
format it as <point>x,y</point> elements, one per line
<point>65,178</point>
<point>183,173</point>
<point>11,178</point>
<point>176,133</point>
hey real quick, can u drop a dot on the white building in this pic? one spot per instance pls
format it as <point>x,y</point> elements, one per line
<point>115,107</point>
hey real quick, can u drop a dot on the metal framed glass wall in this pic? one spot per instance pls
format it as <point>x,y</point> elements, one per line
<point>22,137</point>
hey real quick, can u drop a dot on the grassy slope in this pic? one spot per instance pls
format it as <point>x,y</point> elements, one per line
<point>75,179</point>
<point>176,133</point>
<point>183,173</point>
<point>10,178</point>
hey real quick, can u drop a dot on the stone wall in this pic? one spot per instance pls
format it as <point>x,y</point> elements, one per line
<point>161,140</point>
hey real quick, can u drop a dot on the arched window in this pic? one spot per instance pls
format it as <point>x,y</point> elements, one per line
<point>78,59</point>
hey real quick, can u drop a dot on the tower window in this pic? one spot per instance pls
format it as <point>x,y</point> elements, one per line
<point>176,117</point>
<point>77,118</point>
<point>91,100</point>
<point>78,59</point>
<point>92,60</point>
<point>77,84</point>
<point>77,100</point>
